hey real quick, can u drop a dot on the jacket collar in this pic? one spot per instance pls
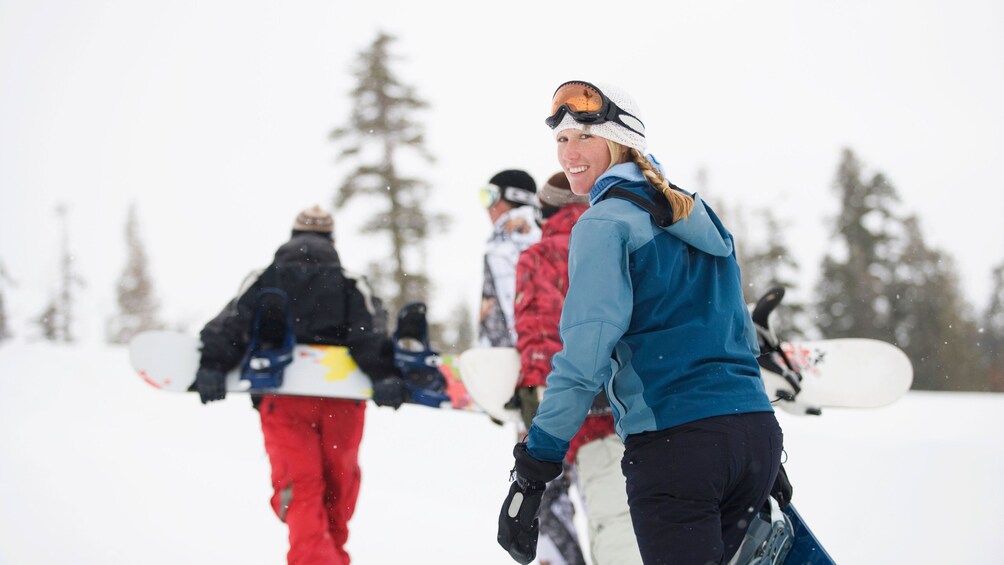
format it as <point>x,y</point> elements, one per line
<point>620,172</point>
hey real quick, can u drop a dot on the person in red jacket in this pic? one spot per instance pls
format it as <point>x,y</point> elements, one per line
<point>541,283</point>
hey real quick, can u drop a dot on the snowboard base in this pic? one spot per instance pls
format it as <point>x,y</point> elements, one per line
<point>168,360</point>
<point>840,373</point>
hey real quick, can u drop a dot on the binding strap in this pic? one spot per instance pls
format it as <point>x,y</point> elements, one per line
<point>263,367</point>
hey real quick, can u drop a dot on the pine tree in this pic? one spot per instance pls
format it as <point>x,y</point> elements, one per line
<point>992,340</point>
<point>885,283</point>
<point>48,321</point>
<point>137,306</point>
<point>851,301</point>
<point>764,263</point>
<point>4,326</point>
<point>735,221</point>
<point>380,129</point>
<point>771,264</point>
<point>56,321</point>
<point>930,318</point>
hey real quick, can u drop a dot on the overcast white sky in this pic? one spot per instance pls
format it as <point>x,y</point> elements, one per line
<point>213,118</point>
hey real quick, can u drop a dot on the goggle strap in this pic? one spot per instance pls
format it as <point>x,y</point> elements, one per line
<point>519,195</point>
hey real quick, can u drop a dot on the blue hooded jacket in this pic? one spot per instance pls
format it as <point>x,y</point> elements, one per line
<point>653,314</point>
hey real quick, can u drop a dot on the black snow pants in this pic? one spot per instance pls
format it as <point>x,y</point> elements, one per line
<point>693,488</point>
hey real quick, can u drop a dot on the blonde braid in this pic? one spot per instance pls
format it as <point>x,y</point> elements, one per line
<point>680,202</point>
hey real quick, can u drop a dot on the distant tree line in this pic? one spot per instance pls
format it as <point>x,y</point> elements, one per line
<point>137,304</point>
<point>138,307</point>
<point>56,319</point>
<point>879,279</point>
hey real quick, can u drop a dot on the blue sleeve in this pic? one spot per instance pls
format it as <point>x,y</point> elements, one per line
<point>596,313</point>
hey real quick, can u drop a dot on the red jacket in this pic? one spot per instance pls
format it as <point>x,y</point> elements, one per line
<point>541,284</point>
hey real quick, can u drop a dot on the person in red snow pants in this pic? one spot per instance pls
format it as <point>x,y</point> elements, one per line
<point>312,443</point>
<point>313,447</point>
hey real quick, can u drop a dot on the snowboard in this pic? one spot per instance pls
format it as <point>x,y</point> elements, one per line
<point>493,373</point>
<point>168,360</point>
<point>839,373</point>
<point>275,364</point>
<point>805,377</point>
<point>805,548</point>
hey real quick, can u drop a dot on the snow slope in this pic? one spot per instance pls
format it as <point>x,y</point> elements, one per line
<point>97,468</point>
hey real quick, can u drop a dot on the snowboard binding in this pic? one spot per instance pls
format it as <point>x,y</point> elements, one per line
<point>768,539</point>
<point>413,355</point>
<point>270,348</point>
<point>772,356</point>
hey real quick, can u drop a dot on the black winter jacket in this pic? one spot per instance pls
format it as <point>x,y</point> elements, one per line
<point>327,305</point>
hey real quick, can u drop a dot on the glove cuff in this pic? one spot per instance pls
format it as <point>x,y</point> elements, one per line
<point>532,469</point>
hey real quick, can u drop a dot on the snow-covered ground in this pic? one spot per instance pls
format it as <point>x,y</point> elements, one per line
<point>98,468</point>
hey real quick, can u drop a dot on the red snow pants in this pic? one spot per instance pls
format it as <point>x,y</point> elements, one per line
<point>313,448</point>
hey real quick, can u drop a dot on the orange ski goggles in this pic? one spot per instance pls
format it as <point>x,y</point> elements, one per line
<point>586,104</point>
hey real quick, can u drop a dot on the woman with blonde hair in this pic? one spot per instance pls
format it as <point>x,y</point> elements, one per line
<point>654,315</point>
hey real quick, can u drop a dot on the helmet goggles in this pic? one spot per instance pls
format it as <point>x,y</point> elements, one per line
<point>490,194</point>
<point>586,104</point>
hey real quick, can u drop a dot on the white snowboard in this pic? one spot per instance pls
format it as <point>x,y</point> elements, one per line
<point>168,360</point>
<point>837,373</point>
<point>842,373</point>
<point>490,375</point>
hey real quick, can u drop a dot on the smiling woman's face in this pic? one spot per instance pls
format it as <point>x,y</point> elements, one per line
<point>583,157</point>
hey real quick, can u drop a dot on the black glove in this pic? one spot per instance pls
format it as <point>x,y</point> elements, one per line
<point>518,521</point>
<point>782,489</point>
<point>211,384</point>
<point>390,391</point>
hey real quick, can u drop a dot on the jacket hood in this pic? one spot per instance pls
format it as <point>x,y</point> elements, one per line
<point>562,221</point>
<point>308,248</point>
<point>702,229</point>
